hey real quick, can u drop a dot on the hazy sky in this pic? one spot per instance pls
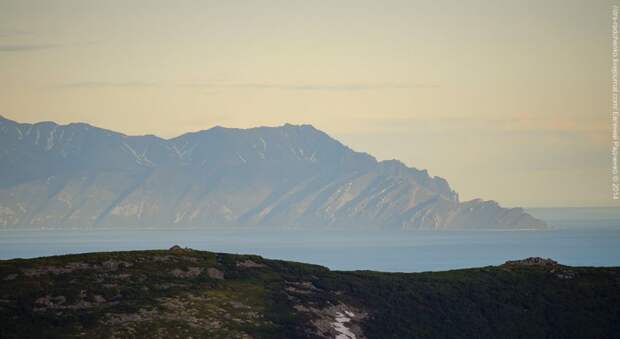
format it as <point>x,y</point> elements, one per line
<point>508,100</point>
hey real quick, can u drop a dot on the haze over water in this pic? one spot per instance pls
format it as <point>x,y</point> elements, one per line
<point>580,237</point>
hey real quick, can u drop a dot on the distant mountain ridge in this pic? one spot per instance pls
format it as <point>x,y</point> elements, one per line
<point>77,175</point>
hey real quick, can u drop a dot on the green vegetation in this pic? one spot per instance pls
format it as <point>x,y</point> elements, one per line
<point>182,293</point>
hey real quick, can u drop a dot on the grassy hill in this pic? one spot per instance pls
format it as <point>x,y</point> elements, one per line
<point>182,293</point>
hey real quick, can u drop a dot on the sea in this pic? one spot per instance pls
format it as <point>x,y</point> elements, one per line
<point>577,237</point>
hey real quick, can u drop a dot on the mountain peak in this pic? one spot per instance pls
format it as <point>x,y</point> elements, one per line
<point>289,176</point>
<point>299,126</point>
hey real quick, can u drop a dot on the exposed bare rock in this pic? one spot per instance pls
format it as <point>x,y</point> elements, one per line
<point>78,266</point>
<point>214,273</point>
<point>179,249</point>
<point>304,287</point>
<point>191,272</point>
<point>99,299</point>
<point>50,302</point>
<point>106,266</point>
<point>564,274</point>
<point>249,264</point>
<point>113,265</point>
<point>336,321</point>
<point>11,276</point>
<point>33,272</point>
<point>238,305</point>
<point>296,290</point>
<point>121,318</point>
<point>532,261</point>
<point>162,258</point>
<point>60,302</point>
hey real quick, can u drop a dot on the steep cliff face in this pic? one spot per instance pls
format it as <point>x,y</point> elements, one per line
<point>78,175</point>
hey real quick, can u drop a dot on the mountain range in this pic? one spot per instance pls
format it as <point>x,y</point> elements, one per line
<point>81,176</point>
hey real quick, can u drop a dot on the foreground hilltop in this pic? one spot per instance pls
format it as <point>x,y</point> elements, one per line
<point>183,293</point>
<point>78,175</point>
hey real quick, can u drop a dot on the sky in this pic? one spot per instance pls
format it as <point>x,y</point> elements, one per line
<point>507,100</point>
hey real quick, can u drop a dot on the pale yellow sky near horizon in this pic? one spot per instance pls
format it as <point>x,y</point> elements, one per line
<point>507,100</point>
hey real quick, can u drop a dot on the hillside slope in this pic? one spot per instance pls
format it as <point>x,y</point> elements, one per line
<point>78,175</point>
<point>182,293</point>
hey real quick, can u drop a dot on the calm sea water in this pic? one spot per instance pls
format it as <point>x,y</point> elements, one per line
<point>581,237</point>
